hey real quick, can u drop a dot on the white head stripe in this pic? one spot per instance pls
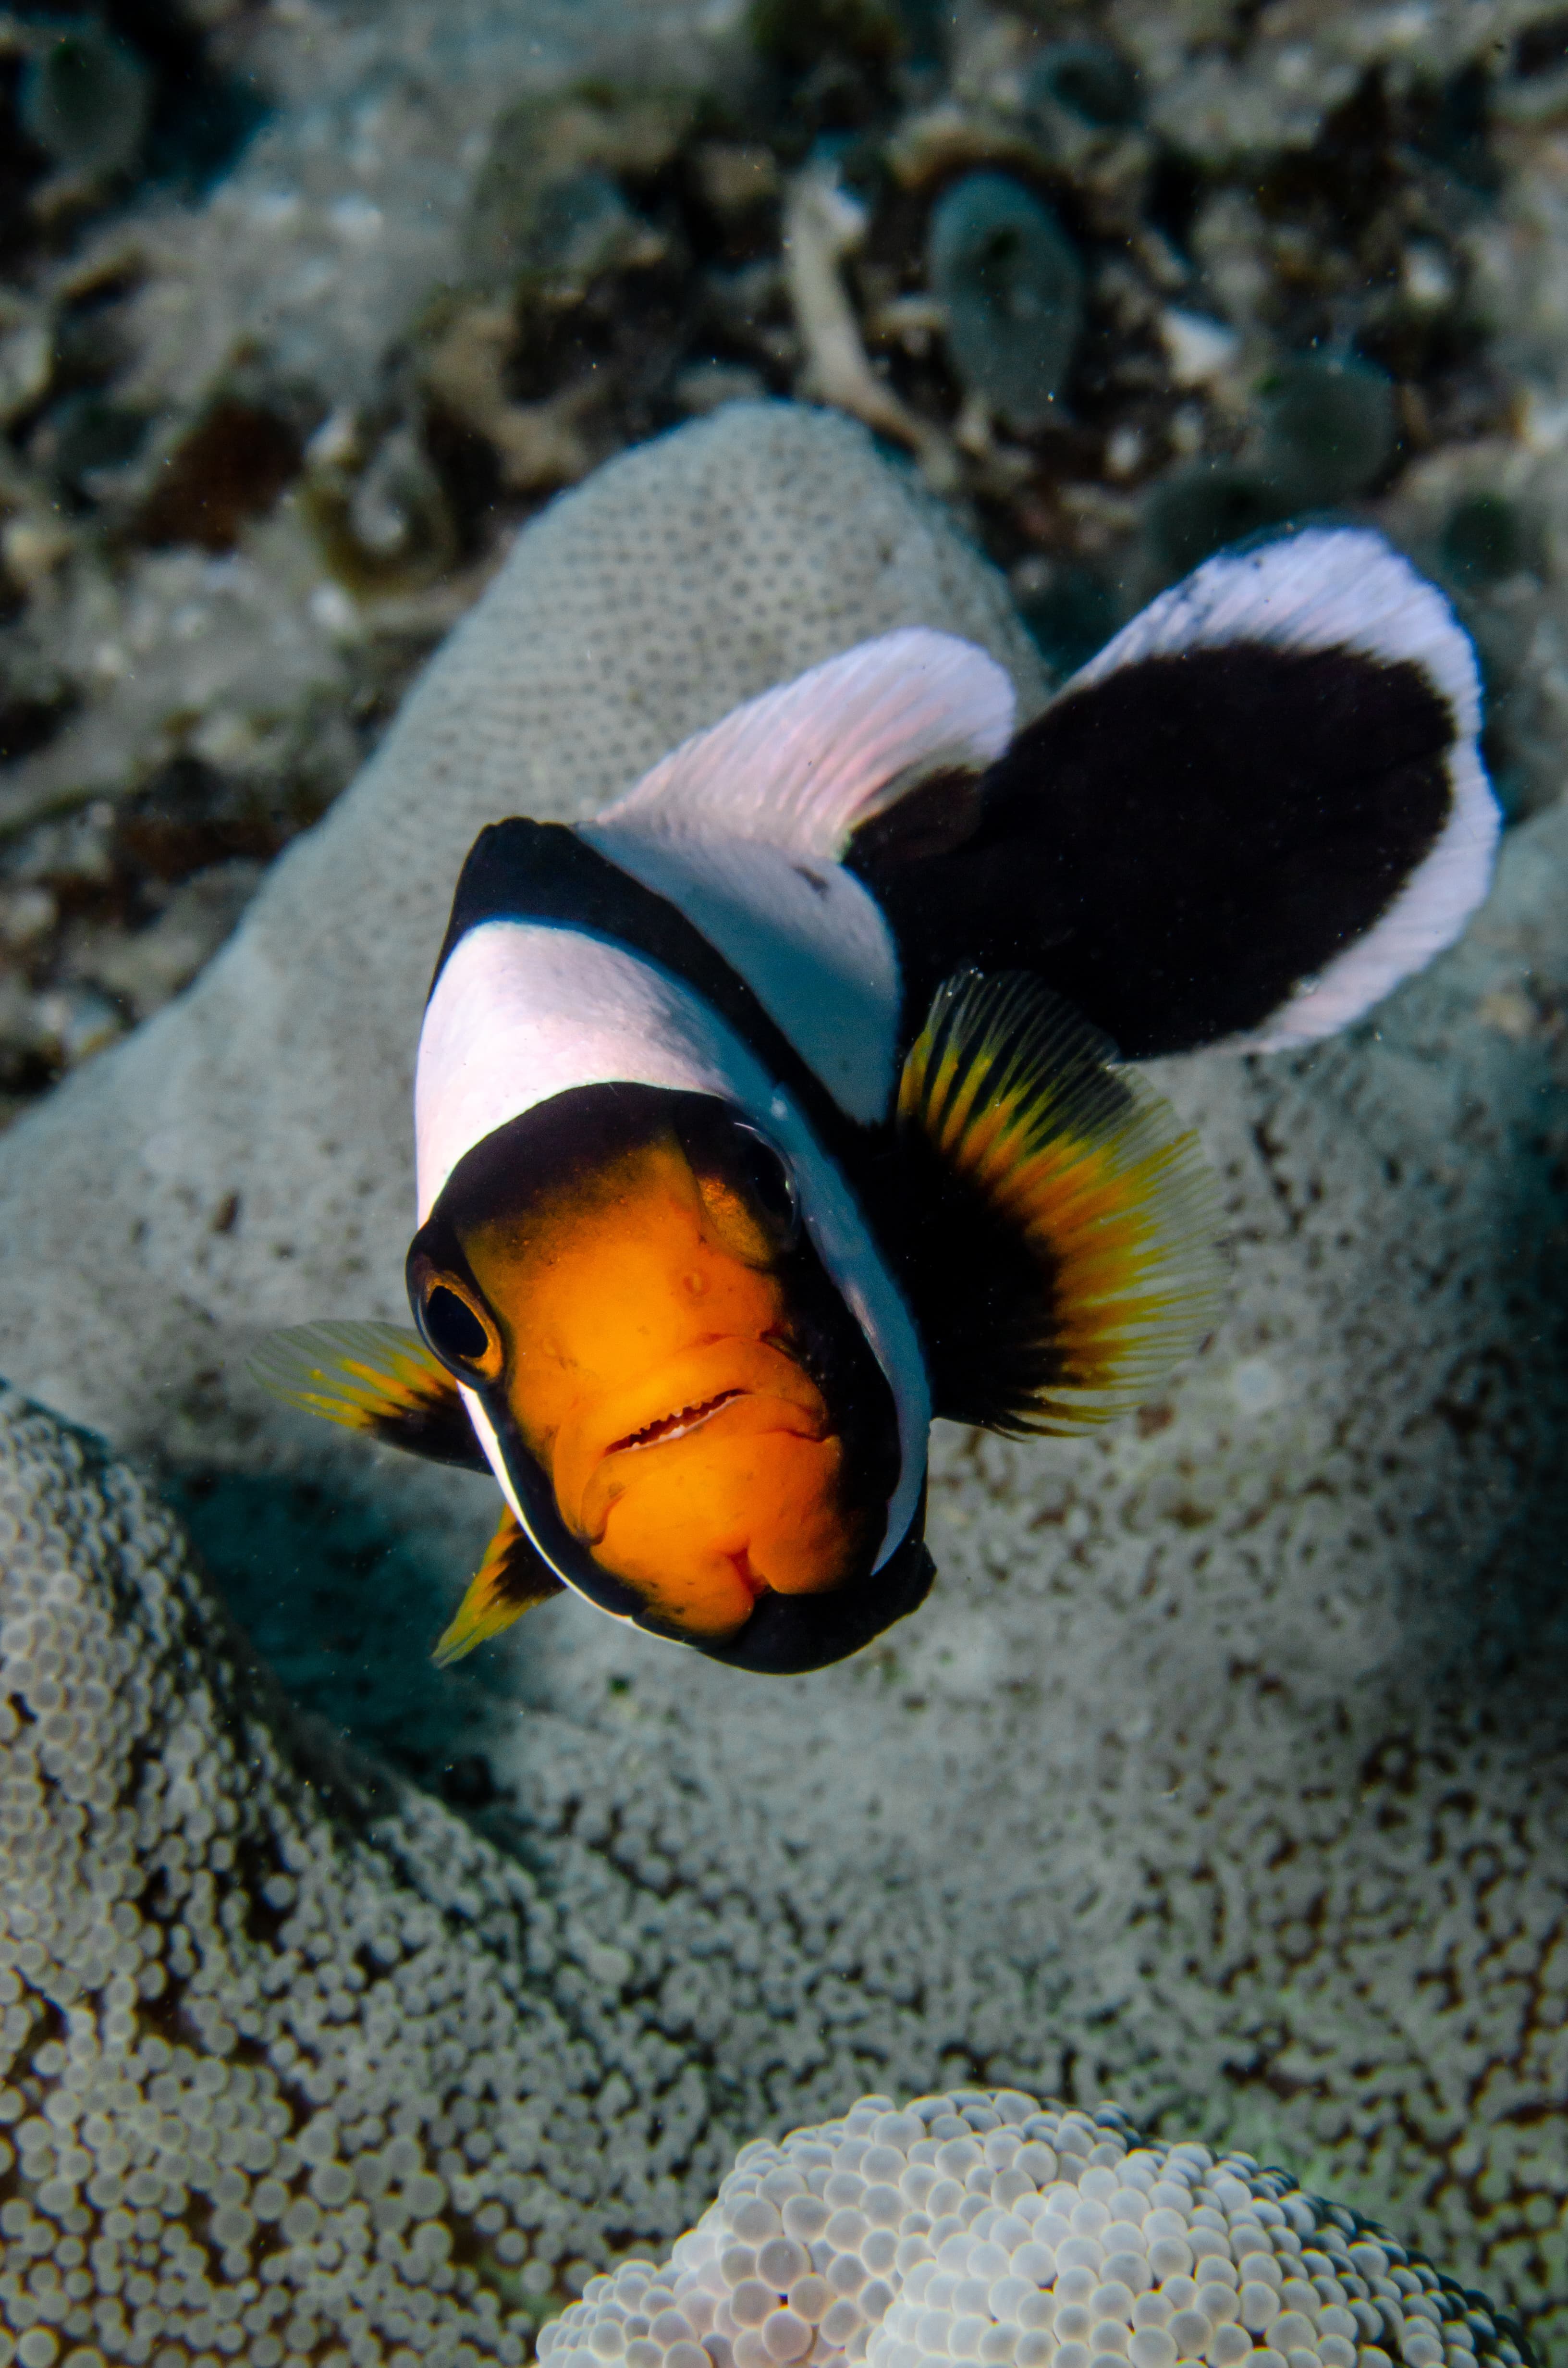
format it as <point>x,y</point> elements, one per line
<point>809,940</point>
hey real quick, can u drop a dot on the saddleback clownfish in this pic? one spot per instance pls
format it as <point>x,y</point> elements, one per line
<point>783,1105</point>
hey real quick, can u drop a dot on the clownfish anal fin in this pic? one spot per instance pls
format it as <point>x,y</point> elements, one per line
<point>1063,1258</point>
<point>512,1577</point>
<point>374,1377</point>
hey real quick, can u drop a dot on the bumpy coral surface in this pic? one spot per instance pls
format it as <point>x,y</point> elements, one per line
<point>983,2225</point>
<point>281,2079</point>
<point>299,2070</point>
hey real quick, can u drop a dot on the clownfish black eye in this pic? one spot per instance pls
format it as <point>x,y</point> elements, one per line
<point>769,1185</point>
<point>452,1328</point>
<point>748,1193</point>
<point>453,1317</point>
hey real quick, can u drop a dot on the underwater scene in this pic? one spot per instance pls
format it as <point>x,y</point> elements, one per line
<point>784,1183</point>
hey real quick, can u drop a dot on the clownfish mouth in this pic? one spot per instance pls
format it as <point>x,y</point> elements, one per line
<point>755,1586</point>
<point>674,1426</point>
<point>711,1481</point>
<point>719,1390</point>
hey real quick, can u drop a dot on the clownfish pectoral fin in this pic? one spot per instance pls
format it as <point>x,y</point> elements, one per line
<point>373,1378</point>
<point>1061,1257</point>
<point>511,1579</point>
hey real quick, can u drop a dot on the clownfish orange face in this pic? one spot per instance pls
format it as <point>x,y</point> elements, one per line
<point>640,1329</point>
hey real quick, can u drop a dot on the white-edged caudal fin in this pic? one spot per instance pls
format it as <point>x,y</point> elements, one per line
<point>1260,808</point>
<point>801,766</point>
<point>374,1377</point>
<point>1321,590</point>
<point>512,1577</point>
<point>1072,1261</point>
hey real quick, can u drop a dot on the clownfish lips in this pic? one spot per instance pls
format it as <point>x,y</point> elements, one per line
<point>674,1426</point>
<point>715,1479</point>
<point>722,1391</point>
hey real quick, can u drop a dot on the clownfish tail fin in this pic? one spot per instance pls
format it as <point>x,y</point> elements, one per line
<point>374,1377</point>
<point>1063,1258</point>
<point>1260,808</point>
<point>510,1580</point>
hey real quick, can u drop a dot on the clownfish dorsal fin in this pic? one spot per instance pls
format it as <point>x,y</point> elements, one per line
<point>512,1577</point>
<point>801,768</point>
<point>1066,1259</point>
<point>375,1378</point>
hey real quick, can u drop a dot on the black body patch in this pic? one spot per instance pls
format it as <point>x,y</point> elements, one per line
<point>441,1435</point>
<point>1054,1233</point>
<point>973,1287</point>
<point>1173,848</point>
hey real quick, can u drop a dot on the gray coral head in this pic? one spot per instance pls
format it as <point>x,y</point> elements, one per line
<point>1090,79</point>
<point>1199,510</point>
<point>84,97</point>
<point>1012,289</point>
<point>989,2226</point>
<point>1329,430</point>
<point>235,2010</point>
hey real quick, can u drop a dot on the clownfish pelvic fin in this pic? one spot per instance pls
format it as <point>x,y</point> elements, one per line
<point>510,1580</point>
<point>373,1378</point>
<point>1065,1260</point>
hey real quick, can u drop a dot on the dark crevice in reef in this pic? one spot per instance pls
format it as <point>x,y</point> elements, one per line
<point>332,1598</point>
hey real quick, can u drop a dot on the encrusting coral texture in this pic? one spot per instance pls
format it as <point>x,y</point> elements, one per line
<point>282,2080</point>
<point>297,2069</point>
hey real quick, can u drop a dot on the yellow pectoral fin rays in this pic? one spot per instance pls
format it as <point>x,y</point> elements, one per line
<point>1099,1195</point>
<point>373,1378</point>
<point>511,1579</point>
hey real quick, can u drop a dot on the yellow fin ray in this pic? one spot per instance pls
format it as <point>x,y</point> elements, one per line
<point>374,1377</point>
<point>1103,1268</point>
<point>510,1580</point>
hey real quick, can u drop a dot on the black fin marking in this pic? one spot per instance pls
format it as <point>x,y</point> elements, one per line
<point>375,1378</point>
<point>932,818</point>
<point>1065,1260</point>
<point>512,1577</point>
<point>1251,816</point>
